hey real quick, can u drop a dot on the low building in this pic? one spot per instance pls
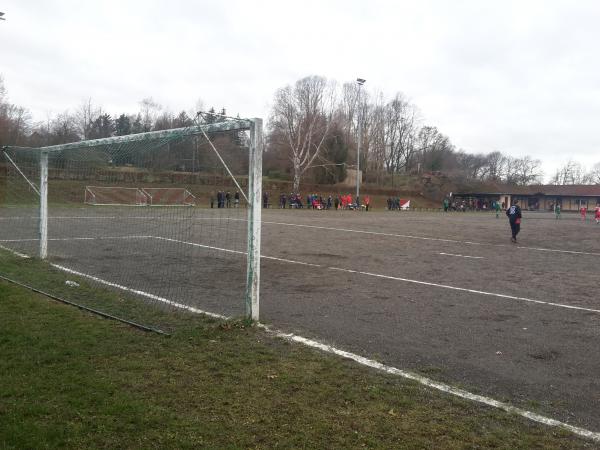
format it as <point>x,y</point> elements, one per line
<point>538,197</point>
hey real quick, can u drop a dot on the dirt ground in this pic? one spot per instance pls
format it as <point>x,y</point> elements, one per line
<point>445,295</point>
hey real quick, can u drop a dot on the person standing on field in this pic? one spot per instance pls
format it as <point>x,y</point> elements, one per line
<point>557,211</point>
<point>514,218</point>
<point>497,208</point>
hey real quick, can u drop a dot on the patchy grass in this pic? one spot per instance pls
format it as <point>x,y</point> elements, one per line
<point>73,380</point>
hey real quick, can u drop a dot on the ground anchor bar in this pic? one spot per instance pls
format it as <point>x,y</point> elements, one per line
<point>85,308</point>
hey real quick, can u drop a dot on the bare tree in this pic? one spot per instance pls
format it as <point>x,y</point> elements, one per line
<point>85,116</point>
<point>524,171</point>
<point>14,120</point>
<point>149,110</point>
<point>570,173</point>
<point>400,129</point>
<point>593,176</point>
<point>433,147</point>
<point>303,114</point>
<point>63,129</point>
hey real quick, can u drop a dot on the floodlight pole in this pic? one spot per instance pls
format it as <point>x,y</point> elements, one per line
<point>254,219</point>
<point>43,205</point>
<point>360,82</point>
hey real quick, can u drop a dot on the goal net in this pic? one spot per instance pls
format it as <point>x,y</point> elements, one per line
<point>148,215</point>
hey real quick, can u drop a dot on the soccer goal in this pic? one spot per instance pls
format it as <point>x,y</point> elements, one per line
<point>169,196</point>
<point>129,196</point>
<point>115,196</point>
<point>176,244</point>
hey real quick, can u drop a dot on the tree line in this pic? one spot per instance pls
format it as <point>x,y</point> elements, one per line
<point>314,129</point>
<point>313,133</point>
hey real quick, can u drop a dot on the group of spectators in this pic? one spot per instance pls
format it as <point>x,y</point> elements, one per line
<point>224,200</point>
<point>394,204</point>
<point>472,205</point>
<point>316,201</point>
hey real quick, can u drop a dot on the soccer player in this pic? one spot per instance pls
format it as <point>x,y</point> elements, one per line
<point>583,212</point>
<point>597,214</point>
<point>497,208</point>
<point>514,218</point>
<point>557,211</point>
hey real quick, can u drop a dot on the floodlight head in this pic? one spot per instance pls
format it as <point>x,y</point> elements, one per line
<point>360,81</point>
<point>1,14</point>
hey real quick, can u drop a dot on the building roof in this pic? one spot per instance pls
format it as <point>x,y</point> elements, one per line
<point>575,190</point>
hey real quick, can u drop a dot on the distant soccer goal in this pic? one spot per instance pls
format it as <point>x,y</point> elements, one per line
<point>115,196</point>
<point>169,197</point>
<point>124,196</point>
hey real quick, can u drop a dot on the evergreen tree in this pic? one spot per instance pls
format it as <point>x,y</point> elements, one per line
<point>122,125</point>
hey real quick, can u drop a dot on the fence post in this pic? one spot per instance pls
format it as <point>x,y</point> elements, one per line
<point>43,205</point>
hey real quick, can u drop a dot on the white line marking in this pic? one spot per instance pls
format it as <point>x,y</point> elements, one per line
<point>138,292</point>
<point>424,238</point>
<point>78,238</point>
<point>473,291</point>
<point>347,230</point>
<point>462,256</point>
<point>406,280</point>
<point>436,385</point>
<point>14,252</point>
<point>388,277</point>
<point>193,244</point>
<point>364,361</point>
<point>235,251</point>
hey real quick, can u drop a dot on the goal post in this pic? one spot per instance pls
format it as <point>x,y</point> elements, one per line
<point>128,163</point>
<point>254,220</point>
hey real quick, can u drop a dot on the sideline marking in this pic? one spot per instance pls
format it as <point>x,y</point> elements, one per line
<point>443,387</point>
<point>462,256</point>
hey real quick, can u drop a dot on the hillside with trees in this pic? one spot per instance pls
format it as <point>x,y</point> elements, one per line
<point>312,138</point>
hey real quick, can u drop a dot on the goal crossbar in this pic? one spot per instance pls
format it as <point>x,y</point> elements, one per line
<point>174,133</point>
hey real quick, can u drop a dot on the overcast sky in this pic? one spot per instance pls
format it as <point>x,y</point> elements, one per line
<point>521,77</point>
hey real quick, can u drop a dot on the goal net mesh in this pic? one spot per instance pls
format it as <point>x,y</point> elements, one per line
<point>162,220</point>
